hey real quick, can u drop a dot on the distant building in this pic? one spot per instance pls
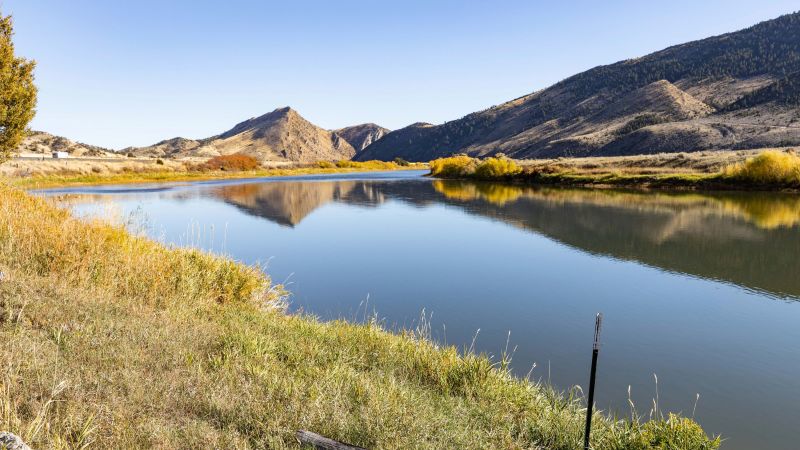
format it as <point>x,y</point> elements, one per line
<point>60,155</point>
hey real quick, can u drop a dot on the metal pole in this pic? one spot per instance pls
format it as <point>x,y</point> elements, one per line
<point>590,404</point>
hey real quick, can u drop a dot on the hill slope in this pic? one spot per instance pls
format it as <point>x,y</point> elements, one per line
<point>737,90</point>
<point>281,135</point>
<point>44,144</point>
<point>361,136</point>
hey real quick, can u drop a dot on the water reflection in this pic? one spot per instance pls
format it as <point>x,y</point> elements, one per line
<point>749,239</point>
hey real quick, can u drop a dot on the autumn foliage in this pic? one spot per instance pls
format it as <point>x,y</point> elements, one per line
<point>231,163</point>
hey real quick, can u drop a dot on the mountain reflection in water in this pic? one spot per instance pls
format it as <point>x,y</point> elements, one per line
<point>750,239</point>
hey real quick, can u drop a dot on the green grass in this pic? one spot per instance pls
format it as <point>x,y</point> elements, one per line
<point>113,341</point>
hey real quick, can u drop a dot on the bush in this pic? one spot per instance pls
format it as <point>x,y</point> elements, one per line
<point>454,166</point>
<point>464,166</point>
<point>401,162</point>
<point>491,168</point>
<point>233,163</point>
<point>129,155</point>
<point>769,167</point>
<point>344,164</point>
<point>160,162</point>
<point>326,165</point>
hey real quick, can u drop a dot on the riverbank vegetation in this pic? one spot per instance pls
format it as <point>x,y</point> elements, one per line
<point>464,166</point>
<point>113,340</point>
<point>233,166</point>
<point>772,169</point>
<point>769,168</point>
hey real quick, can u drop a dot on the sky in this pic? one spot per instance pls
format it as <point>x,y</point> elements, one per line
<point>120,74</point>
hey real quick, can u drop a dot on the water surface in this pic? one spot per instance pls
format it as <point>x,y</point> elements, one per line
<point>699,289</point>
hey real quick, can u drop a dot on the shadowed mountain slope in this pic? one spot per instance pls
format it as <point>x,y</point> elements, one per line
<point>737,90</point>
<point>361,136</point>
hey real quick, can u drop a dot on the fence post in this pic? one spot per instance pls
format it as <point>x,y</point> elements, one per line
<point>590,404</point>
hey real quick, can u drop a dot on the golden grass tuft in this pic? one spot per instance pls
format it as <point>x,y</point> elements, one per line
<point>463,166</point>
<point>37,238</point>
<point>493,168</point>
<point>452,167</point>
<point>772,167</point>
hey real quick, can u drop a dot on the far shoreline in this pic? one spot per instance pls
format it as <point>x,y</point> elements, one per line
<point>766,170</point>
<point>56,180</point>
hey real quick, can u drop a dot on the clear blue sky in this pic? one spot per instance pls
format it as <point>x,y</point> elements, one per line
<point>132,73</point>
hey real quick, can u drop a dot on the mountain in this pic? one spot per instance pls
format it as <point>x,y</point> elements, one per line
<point>281,135</point>
<point>361,136</point>
<point>44,144</point>
<point>738,90</point>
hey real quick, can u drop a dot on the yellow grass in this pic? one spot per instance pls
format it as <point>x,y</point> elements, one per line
<point>454,166</point>
<point>771,167</point>
<point>492,168</point>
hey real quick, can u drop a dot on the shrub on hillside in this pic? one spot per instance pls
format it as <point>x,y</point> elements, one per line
<point>401,162</point>
<point>326,165</point>
<point>233,163</point>
<point>769,167</point>
<point>640,121</point>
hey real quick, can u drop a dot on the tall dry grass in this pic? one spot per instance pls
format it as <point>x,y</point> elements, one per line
<point>771,167</point>
<point>463,166</point>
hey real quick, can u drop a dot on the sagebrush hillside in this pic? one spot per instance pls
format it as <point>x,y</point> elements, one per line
<point>735,91</point>
<point>43,144</point>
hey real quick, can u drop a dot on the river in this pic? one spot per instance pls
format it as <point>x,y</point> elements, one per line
<point>699,290</point>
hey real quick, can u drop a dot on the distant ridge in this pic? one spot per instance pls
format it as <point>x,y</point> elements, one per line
<point>361,136</point>
<point>738,90</point>
<point>280,135</point>
<point>41,143</point>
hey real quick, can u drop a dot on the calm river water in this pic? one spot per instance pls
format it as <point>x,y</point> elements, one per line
<point>700,290</point>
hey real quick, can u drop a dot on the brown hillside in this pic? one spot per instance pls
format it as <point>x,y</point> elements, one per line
<point>281,135</point>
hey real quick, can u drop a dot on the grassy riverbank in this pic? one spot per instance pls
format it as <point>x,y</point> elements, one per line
<point>157,173</point>
<point>116,341</point>
<point>746,170</point>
